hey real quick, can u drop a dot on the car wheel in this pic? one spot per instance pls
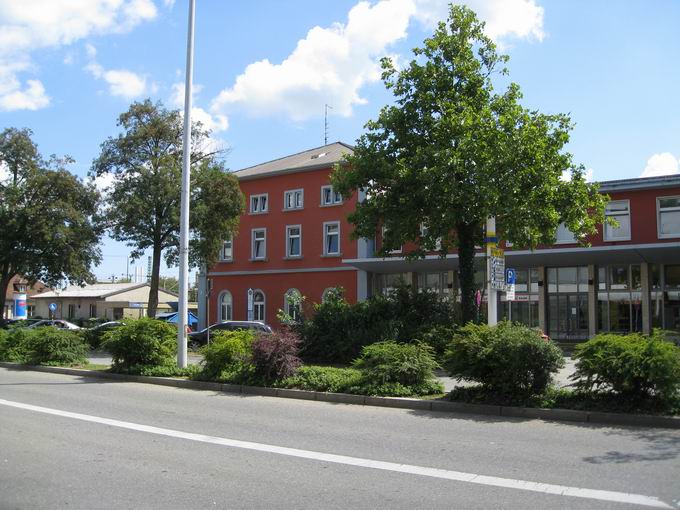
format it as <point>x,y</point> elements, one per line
<point>194,345</point>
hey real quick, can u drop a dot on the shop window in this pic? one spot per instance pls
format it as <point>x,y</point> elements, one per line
<point>668,216</point>
<point>618,210</point>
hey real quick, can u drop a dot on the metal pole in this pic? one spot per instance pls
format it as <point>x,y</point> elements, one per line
<point>491,310</point>
<point>184,215</point>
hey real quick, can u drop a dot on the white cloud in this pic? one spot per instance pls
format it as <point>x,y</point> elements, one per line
<point>213,122</point>
<point>122,83</point>
<point>329,65</point>
<point>332,64</point>
<point>664,163</point>
<point>504,18</point>
<point>31,25</point>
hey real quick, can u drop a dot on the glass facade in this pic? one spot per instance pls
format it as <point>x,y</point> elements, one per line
<point>524,308</point>
<point>619,298</point>
<point>568,303</point>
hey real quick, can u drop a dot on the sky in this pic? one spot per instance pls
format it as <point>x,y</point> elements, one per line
<point>264,70</point>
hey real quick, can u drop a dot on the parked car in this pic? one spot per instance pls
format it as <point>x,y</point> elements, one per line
<point>12,323</point>
<point>201,337</point>
<point>56,323</point>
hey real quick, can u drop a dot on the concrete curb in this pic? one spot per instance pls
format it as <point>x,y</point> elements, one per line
<point>567,415</point>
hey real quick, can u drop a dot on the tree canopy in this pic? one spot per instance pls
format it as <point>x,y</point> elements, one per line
<point>451,152</point>
<point>48,217</point>
<point>143,201</point>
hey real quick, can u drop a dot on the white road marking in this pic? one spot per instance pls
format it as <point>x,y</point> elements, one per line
<point>459,476</point>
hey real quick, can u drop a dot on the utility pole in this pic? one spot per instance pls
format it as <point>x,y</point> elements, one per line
<point>491,243</point>
<point>325,123</point>
<point>184,213</point>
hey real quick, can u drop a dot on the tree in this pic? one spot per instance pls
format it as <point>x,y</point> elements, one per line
<point>451,152</point>
<point>50,230</point>
<point>143,203</point>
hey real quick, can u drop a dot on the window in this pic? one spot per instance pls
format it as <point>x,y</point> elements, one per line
<point>93,310</point>
<point>425,230</point>
<point>564,235</point>
<point>330,293</point>
<point>71,311</point>
<point>668,220</point>
<point>30,311</point>
<point>293,199</point>
<point>292,302</point>
<point>384,233</point>
<point>258,306</point>
<point>331,236</point>
<point>259,248</point>
<point>330,197</point>
<point>618,210</point>
<point>227,251</point>
<point>294,241</point>
<point>225,306</point>
<point>259,203</point>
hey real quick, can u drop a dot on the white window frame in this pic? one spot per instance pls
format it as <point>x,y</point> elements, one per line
<point>231,247</point>
<point>257,199</point>
<point>221,304</point>
<point>289,255</point>
<point>335,198</point>
<point>394,252</point>
<point>606,228</point>
<point>293,194</point>
<point>262,304</point>
<point>424,230</point>
<point>325,238</point>
<point>253,239</point>
<point>565,241</point>
<point>658,217</point>
<point>287,302</point>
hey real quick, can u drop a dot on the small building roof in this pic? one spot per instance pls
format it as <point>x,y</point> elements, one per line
<point>312,159</point>
<point>660,181</point>
<point>97,290</point>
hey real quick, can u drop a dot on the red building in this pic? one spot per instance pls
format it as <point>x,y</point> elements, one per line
<point>294,238</point>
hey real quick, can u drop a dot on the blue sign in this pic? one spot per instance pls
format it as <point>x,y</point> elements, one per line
<point>510,276</point>
<point>53,307</point>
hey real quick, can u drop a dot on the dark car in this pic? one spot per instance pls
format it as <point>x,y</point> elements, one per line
<point>201,337</point>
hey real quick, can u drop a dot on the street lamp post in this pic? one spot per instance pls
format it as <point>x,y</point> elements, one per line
<point>184,214</point>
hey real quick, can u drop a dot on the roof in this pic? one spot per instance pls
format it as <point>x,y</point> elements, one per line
<point>96,290</point>
<point>663,181</point>
<point>312,159</point>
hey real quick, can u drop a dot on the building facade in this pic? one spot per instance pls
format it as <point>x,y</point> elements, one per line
<point>19,286</point>
<point>628,279</point>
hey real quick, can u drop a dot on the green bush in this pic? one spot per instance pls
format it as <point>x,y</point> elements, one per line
<point>438,337</point>
<point>633,366</point>
<point>43,346</point>
<point>316,378</point>
<point>391,362</point>
<point>228,357</point>
<point>337,330</point>
<point>141,343</point>
<point>510,360</point>
<point>168,370</point>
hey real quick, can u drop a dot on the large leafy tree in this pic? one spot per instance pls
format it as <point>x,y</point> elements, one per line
<point>143,201</point>
<point>48,223</point>
<point>451,152</point>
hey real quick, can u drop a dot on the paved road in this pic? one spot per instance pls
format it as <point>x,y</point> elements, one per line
<point>73,442</point>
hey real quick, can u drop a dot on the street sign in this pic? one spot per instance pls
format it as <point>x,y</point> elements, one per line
<point>53,307</point>
<point>510,277</point>
<point>133,304</point>
<point>251,315</point>
<point>497,269</point>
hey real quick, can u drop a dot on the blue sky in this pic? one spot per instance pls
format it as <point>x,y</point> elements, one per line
<point>263,71</point>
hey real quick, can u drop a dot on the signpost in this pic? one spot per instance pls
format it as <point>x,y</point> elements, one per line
<point>53,308</point>
<point>510,277</point>
<point>250,305</point>
<point>497,266</point>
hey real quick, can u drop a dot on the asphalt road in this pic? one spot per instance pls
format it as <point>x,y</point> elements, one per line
<point>73,442</point>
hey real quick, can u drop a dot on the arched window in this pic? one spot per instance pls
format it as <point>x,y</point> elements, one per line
<point>258,306</point>
<point>331,292</point>
<point>292,302</point>
<point>225,306</point>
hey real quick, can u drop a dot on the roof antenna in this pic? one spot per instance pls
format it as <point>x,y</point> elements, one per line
<point>325,123</point>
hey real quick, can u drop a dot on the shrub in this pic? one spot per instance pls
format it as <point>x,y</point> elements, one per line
<point>47,346</point>
<point>316,378</point>
<point>508,359</point>
<point>228,357</point>
<point>141,342</point>
<point>169,370</point>
<point>391,362</point>
<point>394,389</point>
<point>438,337</point>
<point>275,356</point>
<point>337,331</point>
<point>634,366</point>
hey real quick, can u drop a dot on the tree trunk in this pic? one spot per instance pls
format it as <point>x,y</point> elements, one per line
<point>466,271</point>
<point>155,277</point>
<point>5,278</point>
